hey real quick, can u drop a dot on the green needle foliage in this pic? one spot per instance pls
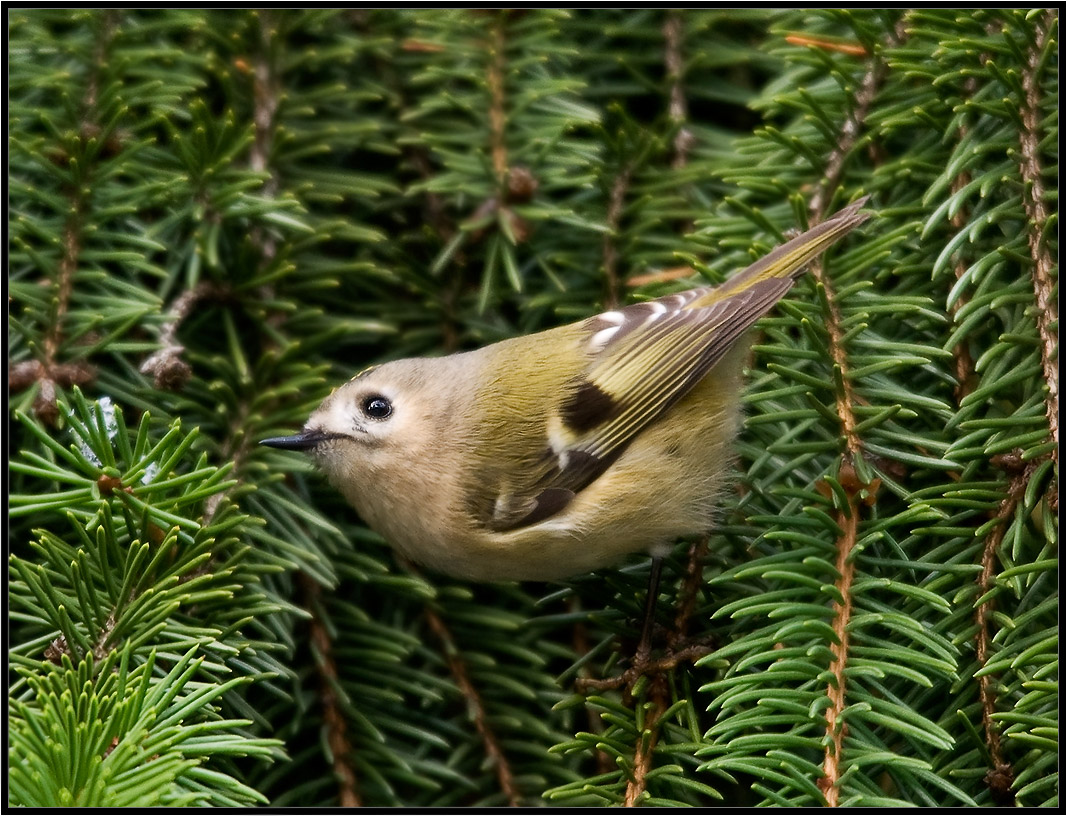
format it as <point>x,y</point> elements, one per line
<point>217,216</point>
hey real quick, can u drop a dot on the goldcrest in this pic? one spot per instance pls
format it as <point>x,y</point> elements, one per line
<point>560,452</point>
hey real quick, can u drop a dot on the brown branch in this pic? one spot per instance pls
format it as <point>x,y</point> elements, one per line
<point>497,108</point>
<point>849,524</point>
<point>1001,774</point>
<point>646,745</point>
<point>677,108</point>
<point>166,366</point>
<point>44,407</point>
<point>68,265</point>
<point>616,202</point>
<point>853,49</point>
<point>846,399</point>
<point>332,715</point>
<point>1037,216</point>
<point>965,373</point>
<point>580,642</point>
<point>984,638</point>
<point>266,95</point>
<point>687,595</point>
<point>475,707</point>
<point>835,166</point>
<point>433,205</point>
<point>48,372</point>
<point>22,375</point>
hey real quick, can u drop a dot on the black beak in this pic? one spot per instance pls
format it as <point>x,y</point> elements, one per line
<point>302,441</point>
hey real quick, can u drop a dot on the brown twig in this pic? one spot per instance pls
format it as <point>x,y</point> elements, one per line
<point>616,202</point>
<point>49,372</point>
<point>1001,774</point>
<point>49,369</point>
<point>687,595</point>
<point>332,715</point>
<point>266,95</point>
<point>169,371</point>
<point>44,406</point>
<point>850,131</point>
<point>68,265</point>
<point>846,400</point>
<point>1037,216</point>
<point>497,107</point>
<point>433,205</point>
<point>475,707</point>
<point>965,374</point>
<point>646,745</point>
<point>677,108</point>
<point>580,643</point>
<point>849,524</point>
<point>983,646</point>
<point>24,374</point>
<point>853,49</point>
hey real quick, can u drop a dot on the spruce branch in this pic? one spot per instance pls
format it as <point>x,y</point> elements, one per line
<point>832,767</point>
<point>616,203</point>
<point>475,708</point>
<point>692,581</point>
<point>1034,198</point>
<point>580,645</point>
<point>965,373</point>
<point>50,372</point>
<point>850,132</point>
<point>848,517</point>
<point>1000,774</point>
<point>133,739</point>
<point>333,716</point>
<point>266,96</point>
<point>646,744</point>
<point>495,73</point>
<point>677,108</point>
<point>167,368</point>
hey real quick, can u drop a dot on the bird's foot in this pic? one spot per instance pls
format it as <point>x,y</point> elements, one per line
<point>645,666</point>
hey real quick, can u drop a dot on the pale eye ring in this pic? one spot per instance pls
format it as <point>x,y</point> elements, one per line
<point>377,407</point>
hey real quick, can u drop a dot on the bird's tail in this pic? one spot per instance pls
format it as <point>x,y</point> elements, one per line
<point>792,258</point>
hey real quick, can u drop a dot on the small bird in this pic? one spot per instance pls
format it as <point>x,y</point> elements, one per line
<point>561,452</point>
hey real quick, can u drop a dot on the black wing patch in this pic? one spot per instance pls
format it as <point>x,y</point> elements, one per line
<point>586,406</point>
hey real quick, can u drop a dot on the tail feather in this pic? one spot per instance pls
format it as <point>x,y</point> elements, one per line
<point>792,258</point>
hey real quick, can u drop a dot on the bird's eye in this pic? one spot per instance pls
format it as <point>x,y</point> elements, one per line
<point>377,407</point>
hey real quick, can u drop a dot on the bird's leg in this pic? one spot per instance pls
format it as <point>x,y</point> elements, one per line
<point>644,646</point>
<point>679,649</point>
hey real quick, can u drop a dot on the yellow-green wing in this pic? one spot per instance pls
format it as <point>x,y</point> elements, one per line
<point>643,359</point>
